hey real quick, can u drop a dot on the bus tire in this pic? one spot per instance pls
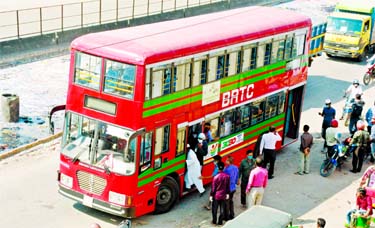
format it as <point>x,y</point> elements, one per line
<point>167,195</point>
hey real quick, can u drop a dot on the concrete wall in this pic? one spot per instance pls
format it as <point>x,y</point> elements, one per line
<point>38,47</point>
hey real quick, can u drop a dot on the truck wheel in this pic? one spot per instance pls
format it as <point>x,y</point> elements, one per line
<point>329,55</point>
<point>167,195</point>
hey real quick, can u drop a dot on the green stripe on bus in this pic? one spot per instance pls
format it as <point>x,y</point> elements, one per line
<point>165,165</point>
<point>171,97</point>
<point>175,104</point>
<point>161,174</point>
<point>252,80</point>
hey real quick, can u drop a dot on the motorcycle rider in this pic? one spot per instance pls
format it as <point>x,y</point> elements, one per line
<point>333,137</point>
<point>350,94</point>
<point>360,139</point>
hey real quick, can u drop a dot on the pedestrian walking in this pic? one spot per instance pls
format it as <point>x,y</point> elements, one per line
<point>258,180</point>
<point>268,148</point>
<point>357,108</point>
<point>247,164</point>
<point>353,90</point>
<point>305,148</point>
<point>328,114</point>
<point>193,172</point>
<point>360,139</point>
<point>369,115</point>
<point>219,194</point>
<point>232,171</point>
<point>217,159</point>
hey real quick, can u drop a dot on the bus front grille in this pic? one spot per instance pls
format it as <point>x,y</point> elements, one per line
<point>91,183</point>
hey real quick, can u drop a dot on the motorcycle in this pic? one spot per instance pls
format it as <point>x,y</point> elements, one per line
<point>337,157</point>
<point>370,74</point>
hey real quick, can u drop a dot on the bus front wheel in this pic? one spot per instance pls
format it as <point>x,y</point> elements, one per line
<point>166,196</point>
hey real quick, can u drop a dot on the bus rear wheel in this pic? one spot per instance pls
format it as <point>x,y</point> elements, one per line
<point>166,196</point>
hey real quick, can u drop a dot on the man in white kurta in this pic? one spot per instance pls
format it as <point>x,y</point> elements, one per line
<point>193,172</point>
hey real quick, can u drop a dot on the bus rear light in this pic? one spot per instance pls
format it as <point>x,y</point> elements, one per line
<point>66,180</point>
<point>116,198</point>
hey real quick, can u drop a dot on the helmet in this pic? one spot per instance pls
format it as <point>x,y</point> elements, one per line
<point>355,81</point>
<point>334,123</point>
<point>201,136</point>
<point>328,101</point>
<point>360,125</point>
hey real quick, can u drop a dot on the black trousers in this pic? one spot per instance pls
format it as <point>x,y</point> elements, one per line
<point>243,193</point>
<point>269,157</point>
<point>215,205</point>
<point>230,206</point>
<point>358,157</point>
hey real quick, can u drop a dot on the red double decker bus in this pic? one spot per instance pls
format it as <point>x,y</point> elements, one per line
<point>137,96</point>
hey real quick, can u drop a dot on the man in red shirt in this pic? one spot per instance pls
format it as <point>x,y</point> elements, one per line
<point>258,180</point>
<point>219,194</point>
<point>364,205</point>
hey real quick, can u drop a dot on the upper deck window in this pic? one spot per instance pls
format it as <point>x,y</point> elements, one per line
<point>87,70</point>
<point>119,79</point>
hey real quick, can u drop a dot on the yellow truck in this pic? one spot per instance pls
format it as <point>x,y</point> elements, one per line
<point>350,28</point>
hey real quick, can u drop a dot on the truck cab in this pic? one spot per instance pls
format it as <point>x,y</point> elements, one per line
<point>347,35</point>
<point>350,29</point>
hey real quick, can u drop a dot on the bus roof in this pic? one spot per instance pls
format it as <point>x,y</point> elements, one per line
<point>156,42</point>
<point>360,17</point>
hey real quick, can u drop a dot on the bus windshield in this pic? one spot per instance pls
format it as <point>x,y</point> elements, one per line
<point>344,26</point>
<point>99,144</point>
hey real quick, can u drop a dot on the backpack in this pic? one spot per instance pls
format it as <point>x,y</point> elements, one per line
<point>357,110</point>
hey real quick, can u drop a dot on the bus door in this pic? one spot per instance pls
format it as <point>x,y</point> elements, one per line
<point>293,114</point>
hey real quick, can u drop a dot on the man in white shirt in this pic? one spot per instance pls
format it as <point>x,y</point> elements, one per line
<point>268,146</point>
<point>353,90</point>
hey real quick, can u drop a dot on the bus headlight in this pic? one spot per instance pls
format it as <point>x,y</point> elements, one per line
<point>116,198</point>
<point>66,180</point>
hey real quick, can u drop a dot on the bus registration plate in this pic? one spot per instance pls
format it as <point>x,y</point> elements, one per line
<point>87,201</point>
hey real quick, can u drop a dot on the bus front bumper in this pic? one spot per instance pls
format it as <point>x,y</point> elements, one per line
<point>97,204</point>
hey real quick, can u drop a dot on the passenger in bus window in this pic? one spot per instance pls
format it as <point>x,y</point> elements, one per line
<point>207,132</point>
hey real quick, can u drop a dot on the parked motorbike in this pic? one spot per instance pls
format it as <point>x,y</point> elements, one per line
<point>337,157</point>
<point>370,74</point>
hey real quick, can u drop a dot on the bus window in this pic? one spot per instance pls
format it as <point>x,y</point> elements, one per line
<point>148,85</point>
<point>242,117</point>
<point>214,127</point>
<point>212,69</point>
<point>87,70</point>
<point>180,145</point>
<point>257,111</point>
<point>271,106</point>
<point>299,47</point>
<point>253,58</point>
<point>246,58</point>
<point>280,50</point>
<point>222,66</point>
<point>200,71</point>
<point>157,77</point>
<point>267,54</point>
<point>146,150</point>
<point>288,48</point>
<point>183,75</point>
<point>281,103</point>
<point>119,79</point>
<point>233,63</point>
<point>239,62</point>
<point>226,125</point>
<point>169,84</point>
<point>261,54</point>
<point>162,140</point>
